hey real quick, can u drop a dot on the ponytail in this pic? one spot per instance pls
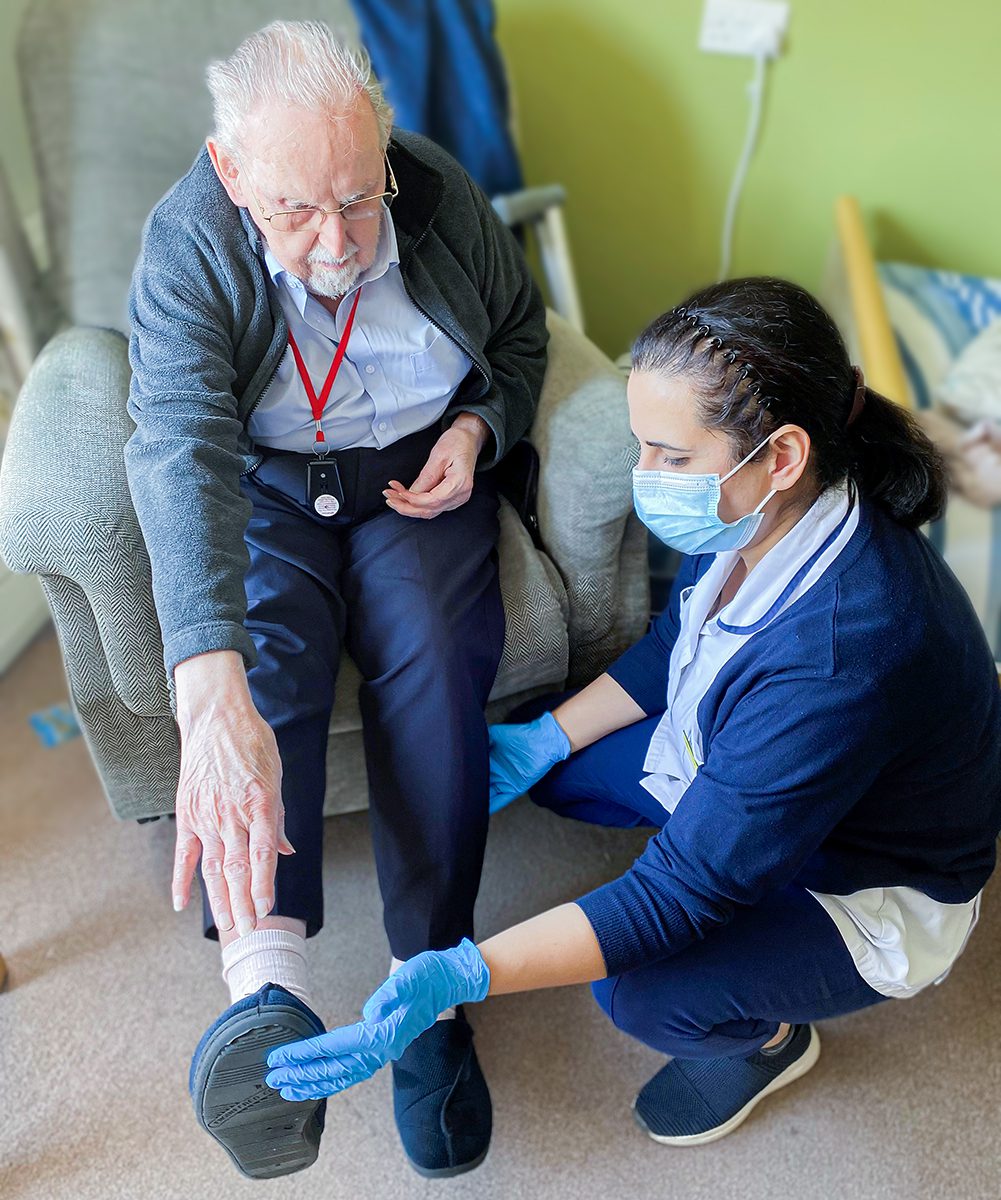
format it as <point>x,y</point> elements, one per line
<point>894,463</point>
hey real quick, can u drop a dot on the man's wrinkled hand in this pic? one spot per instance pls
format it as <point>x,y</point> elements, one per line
<point>446,482</point>
<point>230,813</point>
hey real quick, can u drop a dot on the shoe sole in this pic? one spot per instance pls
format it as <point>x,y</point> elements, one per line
<point>798,1069</point>
<point>264,1135</point>
<point>448,1172</point>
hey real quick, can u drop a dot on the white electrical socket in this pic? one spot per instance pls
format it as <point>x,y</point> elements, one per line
<point>744,27</point>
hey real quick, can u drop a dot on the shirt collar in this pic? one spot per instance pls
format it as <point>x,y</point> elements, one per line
<point>769,577</point>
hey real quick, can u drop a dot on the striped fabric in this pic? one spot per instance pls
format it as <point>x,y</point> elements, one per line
<point>935,315</point>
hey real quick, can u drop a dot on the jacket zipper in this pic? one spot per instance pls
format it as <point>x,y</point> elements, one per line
<point>253,409</point>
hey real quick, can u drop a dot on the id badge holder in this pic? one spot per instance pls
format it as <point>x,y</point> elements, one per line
<point>323,486</point>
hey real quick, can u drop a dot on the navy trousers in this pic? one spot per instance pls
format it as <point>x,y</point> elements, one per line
<point>417,605</point>
<point>724,996</point>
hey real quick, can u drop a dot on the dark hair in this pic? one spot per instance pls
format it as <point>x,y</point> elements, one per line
<point>762,352</point>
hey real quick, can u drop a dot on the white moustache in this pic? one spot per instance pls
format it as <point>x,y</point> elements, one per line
<point>318,259</point>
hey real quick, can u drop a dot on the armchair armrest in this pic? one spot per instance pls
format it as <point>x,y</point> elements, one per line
<point>529,204</point>
<point>586,519</point>
<point>66,510</point>
<point>542,209</point>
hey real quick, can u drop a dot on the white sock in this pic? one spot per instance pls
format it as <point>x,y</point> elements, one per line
<point>447,1015</point>
<point>263,956</point>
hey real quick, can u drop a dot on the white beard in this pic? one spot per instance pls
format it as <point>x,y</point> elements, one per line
<point>330,278</point>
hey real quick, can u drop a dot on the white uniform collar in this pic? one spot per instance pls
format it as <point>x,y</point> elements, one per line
<point>776,580</point>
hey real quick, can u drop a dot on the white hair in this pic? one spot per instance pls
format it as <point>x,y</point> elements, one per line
<point>300,63</point>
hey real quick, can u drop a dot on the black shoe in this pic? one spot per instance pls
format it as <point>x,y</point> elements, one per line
<point>441,1101</point>
<point>263,1134</point>
<point>693,1101</point>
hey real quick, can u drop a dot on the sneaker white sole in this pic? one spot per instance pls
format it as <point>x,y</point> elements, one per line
<point>796,1071</point>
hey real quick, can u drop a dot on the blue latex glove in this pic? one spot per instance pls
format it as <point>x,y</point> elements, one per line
<point>521,754</point>
<point>405,1006</point>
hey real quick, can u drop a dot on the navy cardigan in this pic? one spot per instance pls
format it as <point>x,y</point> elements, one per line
<point>854,742</point>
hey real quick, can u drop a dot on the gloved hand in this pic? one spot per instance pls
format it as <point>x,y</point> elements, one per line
<point>521,754</point>
<point>405,1006</point>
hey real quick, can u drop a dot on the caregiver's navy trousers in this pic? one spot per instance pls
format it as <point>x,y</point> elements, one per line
<point>416,603</point>
<point>782,960</point>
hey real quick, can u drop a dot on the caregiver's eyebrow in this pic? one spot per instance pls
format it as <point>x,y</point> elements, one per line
<point>667,446</point>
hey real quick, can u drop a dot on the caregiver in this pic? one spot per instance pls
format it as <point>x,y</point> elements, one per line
<point>813,727</point>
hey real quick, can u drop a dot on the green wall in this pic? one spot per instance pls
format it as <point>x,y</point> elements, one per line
<point>896,101</point>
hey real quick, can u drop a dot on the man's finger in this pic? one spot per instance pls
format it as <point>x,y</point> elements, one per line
<point>432,474</point>
<point>236,868</point>
<point>213,854</point>
<point>417,514</point>
<point>186,851</point>
<point>263,851</point>
<point>441,494</point>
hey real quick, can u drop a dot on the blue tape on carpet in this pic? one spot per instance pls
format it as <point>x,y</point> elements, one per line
<point>54,725</point>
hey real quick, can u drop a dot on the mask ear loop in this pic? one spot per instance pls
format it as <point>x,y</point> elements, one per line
<point>734,471</point>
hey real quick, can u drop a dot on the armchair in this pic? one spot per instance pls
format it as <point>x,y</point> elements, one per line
<point>65,510</point>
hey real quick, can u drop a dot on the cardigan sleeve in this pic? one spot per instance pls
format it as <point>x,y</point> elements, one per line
<point>792,758</point>
<point>642,669</point>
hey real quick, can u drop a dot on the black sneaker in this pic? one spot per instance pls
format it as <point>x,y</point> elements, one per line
<point>691,1101</point>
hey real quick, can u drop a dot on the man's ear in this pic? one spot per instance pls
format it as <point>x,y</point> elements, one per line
<point>228,171</point>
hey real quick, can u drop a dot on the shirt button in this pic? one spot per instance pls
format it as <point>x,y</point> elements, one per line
<point>370,370</point>
<point>383,426</point>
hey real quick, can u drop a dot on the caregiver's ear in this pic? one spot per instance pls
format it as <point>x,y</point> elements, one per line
<point>790,454</point>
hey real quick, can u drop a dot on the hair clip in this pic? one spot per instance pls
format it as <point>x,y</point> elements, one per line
<point>731,357</point>
<point>717,343</point>
<point>704,331</point>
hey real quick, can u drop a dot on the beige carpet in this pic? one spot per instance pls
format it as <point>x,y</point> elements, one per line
<point>110,990</point>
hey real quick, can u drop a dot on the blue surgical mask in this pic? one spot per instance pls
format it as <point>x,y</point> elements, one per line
<point>680,510</point>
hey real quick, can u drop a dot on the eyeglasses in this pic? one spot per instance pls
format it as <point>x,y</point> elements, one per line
<point>298,220</point>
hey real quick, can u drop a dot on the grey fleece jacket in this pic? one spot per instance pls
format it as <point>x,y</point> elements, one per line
<point>207,338</point>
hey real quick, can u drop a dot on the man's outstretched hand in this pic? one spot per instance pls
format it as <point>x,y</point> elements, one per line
<point>229,800</point>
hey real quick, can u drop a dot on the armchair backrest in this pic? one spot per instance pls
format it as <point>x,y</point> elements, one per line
<point>117,108</point>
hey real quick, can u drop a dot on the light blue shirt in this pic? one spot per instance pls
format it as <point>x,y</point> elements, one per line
<point>398,374</point>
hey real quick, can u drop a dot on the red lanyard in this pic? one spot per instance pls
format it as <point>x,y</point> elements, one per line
<point>318,403</point>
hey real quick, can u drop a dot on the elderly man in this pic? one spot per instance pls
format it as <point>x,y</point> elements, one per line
<point>317,378</point>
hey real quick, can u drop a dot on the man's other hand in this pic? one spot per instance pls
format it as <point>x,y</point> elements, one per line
<point>229,805</point>
<point>446,482</point>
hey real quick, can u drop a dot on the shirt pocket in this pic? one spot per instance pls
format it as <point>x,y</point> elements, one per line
<point>424,360</point>
<point>442,362</point>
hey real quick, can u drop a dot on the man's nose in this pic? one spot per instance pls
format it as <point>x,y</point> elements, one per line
<point>334,235</point>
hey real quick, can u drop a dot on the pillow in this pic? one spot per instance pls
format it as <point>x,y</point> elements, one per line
<point>971,390</point>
